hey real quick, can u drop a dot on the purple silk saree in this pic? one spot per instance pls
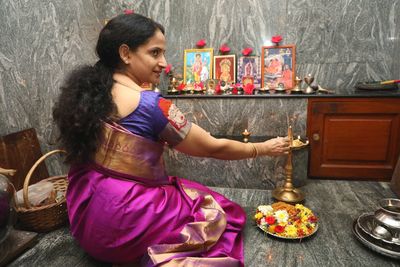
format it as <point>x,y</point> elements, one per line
<point>124,208</point>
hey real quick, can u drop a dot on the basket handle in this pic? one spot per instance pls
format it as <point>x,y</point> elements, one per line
<point>28,176</point>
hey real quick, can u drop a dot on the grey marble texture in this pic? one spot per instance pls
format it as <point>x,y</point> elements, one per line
<point>336,203</point>
<point>41,41</point>
<point>339,42</point>
<point>264,118</point>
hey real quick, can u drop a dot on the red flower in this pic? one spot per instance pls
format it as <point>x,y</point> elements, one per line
<point>181,86</point>
<point>168,68</point>
<point>218,89</point>
<point>128,11</point>
<point>276,39</point>
<point>247,51</point>
<point>312,219</point>
<point>198,86</point>
<point>248,89</point>
<point>201,43</point>
<point>224,49</point>
<point>300,232</point>
<point>234,91</point>
<point>279,228</point>
<point>270,220</point>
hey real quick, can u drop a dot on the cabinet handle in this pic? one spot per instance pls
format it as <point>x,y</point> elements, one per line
<point>315,137</point>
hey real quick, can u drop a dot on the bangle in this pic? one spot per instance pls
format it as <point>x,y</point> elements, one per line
<point>255,151</point>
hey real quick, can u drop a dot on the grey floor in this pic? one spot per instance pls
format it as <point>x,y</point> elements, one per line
<point>336,203</point>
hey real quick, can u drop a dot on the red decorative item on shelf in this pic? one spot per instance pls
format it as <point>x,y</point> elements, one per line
<point>201,43</point>
<point>234,90</point>
<point>247,51</point>
<point>198,86</point>
<point>218,89</point>
<point>224,49</point>
<point>181,86</point>
<point>276,39</point>
<point>168,68</point>
<point>248,89</point>
<point>128,11</point>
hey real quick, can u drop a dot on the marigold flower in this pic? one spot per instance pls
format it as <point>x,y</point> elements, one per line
<point>291,230</point>
<point>300,232</point>
<point>258,215</point>
<point>271,228</point>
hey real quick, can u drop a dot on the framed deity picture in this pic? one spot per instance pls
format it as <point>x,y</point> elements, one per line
<point>249,71</point>
<point>225,68</point>
<point>197,65</point>
<point>278,65</point>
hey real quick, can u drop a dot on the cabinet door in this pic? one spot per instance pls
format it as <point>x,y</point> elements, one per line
<point>353,138</point>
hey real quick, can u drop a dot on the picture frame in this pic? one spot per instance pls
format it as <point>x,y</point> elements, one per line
<point>278,66</point>
<point>225,68</point>
<point>198,65</point>
<point>249,70</point>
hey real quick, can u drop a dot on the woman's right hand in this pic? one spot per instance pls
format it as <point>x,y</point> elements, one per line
<point>274,147</point>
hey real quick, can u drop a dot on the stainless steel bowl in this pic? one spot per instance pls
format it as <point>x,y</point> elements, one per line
<point>388,216</point>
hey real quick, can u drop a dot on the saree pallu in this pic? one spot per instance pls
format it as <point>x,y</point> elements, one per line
<point>124,208</point>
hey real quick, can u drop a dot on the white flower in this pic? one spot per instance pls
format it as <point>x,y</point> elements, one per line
<point>262,221</point>
<point>265,209</point>
<point>281,216</point>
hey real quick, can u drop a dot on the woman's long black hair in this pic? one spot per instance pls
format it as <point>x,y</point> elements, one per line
<point>85,100</point>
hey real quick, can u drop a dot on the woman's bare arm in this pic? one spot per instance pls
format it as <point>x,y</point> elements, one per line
<point>201,144</point>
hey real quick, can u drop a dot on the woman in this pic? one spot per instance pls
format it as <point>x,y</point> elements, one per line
<point>122,206</point>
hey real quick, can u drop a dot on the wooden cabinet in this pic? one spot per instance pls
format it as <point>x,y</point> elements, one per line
<point>353,138</point>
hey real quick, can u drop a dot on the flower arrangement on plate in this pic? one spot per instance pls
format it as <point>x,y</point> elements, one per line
<point>286,221</point>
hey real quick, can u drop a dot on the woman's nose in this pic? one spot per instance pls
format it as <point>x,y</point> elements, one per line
<point>163,62</point>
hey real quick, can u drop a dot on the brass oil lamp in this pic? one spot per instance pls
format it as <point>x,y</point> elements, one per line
<point>287,193</point>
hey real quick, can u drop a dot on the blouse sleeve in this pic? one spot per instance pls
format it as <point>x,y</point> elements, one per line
<point>170,123</point>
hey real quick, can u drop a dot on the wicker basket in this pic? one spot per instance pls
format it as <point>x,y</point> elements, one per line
<point>46,217</point>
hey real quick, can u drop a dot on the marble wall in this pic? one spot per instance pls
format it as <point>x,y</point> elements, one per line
<point>339,42</point>
<point>40,42</point>
<point>264,118</point>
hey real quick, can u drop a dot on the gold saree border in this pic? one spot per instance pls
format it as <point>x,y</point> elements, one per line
<point>126,153</point>
<point>197,237</point>
<point>203,262</point>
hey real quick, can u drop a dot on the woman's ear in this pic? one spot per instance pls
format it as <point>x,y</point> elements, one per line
<point>124,53</point>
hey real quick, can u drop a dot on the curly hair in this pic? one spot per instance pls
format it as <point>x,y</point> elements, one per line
<point>85,102</point>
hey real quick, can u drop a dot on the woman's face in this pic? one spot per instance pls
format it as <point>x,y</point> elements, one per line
<point>146,63</point>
